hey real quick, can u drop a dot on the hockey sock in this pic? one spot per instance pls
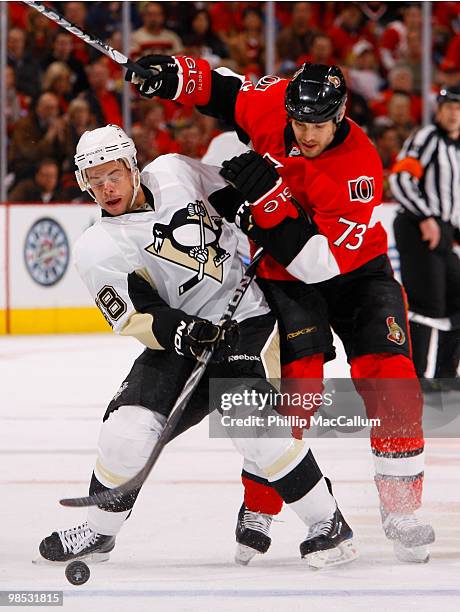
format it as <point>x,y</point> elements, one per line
<point>306,491</point>
<point>108,519</point>
<point>126,440</point>
<point>391,391</point>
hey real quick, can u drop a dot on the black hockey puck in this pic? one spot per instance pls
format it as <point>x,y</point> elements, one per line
<point>77,573</point>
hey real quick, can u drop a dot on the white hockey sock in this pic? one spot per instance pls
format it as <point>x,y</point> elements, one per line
<point>316,505</point>
<point>106,523</point>
<point>126,440</point>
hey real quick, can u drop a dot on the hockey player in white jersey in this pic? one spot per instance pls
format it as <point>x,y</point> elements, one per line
<point>162,268</point>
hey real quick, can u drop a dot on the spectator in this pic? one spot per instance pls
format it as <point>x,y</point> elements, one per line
<point>295,40</point>
<point>387,144</point>
<point>364,76</point>
<point>62,51</point>
<point>451,59</point>
<point>356,106</point>
<point>26,69</point>
<point>57,80</point>
<point>179,15</point>
<point>202,42</point>
<point>393,42</point>
<point>400,80</point>
<point>105,18</point>
<point>77,120</point>
<point>43,187</point>
<point>446,20</point>
<point>399,115</point>
<point>105,105</point>
<point>16,103</point>
<point>153,37</point>
<point>37,136</point>
<point>348,29</point>
<point>189,141</point>
<point>378,15</point>
<point>150,134</point>
<point>76,13</point>
<point>17,15</point>
<point>116,72</point>
<point>321,51</point>
<point>227,19</point>
<point>412,58</point>
<point>247,47</point>
<point>39,35</point>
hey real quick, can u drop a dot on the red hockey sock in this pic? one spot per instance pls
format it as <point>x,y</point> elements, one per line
<point>390,389</point>
<point>259,497</point>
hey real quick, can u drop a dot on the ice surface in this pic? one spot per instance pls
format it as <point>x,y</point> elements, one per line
<point>176,551</point>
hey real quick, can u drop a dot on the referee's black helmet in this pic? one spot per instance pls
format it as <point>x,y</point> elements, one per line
<point>449,94</point>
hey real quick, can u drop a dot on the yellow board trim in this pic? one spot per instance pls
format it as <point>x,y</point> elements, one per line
<point>54,321</point>
<point>2,322</point>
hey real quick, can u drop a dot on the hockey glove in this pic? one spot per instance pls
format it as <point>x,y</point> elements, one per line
<point>256,178</point>
<point>191,339</point>
<point>184,79</point>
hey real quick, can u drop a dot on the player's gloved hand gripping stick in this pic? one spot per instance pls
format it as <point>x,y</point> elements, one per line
<point>137,481</point>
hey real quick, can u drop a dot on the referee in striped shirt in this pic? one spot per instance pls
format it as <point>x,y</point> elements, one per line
<point>425,180</point>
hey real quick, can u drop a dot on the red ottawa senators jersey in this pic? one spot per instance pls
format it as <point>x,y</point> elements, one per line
<point>339,189</point>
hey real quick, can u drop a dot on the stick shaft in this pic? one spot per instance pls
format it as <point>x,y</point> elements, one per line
<point>138,480</point>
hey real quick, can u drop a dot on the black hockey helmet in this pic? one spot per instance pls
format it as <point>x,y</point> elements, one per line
<point>449,94</point>
<point>316,93</point>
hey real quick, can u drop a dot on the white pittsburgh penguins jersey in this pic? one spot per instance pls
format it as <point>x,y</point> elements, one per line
<point>178,244</point>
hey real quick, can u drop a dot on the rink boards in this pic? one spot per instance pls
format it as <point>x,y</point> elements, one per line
<point>40,290</point>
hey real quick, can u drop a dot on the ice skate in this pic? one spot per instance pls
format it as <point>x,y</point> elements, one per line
<point>410,536</point>
<point>252,530</point>
<point>76,543</point>
<point>329,542</point>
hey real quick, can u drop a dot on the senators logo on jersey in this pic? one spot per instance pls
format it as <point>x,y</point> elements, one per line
<point>396,334</point>
<point>362,189</point>
<point>191,240</point>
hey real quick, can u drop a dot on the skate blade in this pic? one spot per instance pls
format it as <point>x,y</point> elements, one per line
<point>244,554</point>
<point>343,553</point>
<point>414,554</point>
<point>89,560</point>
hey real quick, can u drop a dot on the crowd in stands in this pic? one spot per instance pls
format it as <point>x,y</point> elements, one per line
<point>58,86</point>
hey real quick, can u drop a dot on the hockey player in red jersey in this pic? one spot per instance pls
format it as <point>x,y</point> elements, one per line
<point>311,189</point>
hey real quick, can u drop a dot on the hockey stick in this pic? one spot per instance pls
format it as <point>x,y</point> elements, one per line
<point>103,47</point>
<point>443,324</point>
<point>113,495</point>
<point>191,282</point>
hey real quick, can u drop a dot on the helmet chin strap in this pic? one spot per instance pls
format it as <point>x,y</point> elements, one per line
<point>136,176</point>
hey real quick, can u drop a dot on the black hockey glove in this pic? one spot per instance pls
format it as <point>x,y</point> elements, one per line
<point>192,88</point>
<point>164,84</point>
<point>251,174</point>
<point>190,339</point>
<point>256,178</point>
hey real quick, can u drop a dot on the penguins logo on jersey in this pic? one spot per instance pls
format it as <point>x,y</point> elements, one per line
<point>191,240</point>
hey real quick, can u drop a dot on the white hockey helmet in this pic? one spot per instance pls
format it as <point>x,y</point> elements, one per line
<point>102,145</point>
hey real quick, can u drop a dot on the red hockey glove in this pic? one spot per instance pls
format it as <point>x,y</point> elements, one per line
<point>256,178</point>
<point>184,79</point>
